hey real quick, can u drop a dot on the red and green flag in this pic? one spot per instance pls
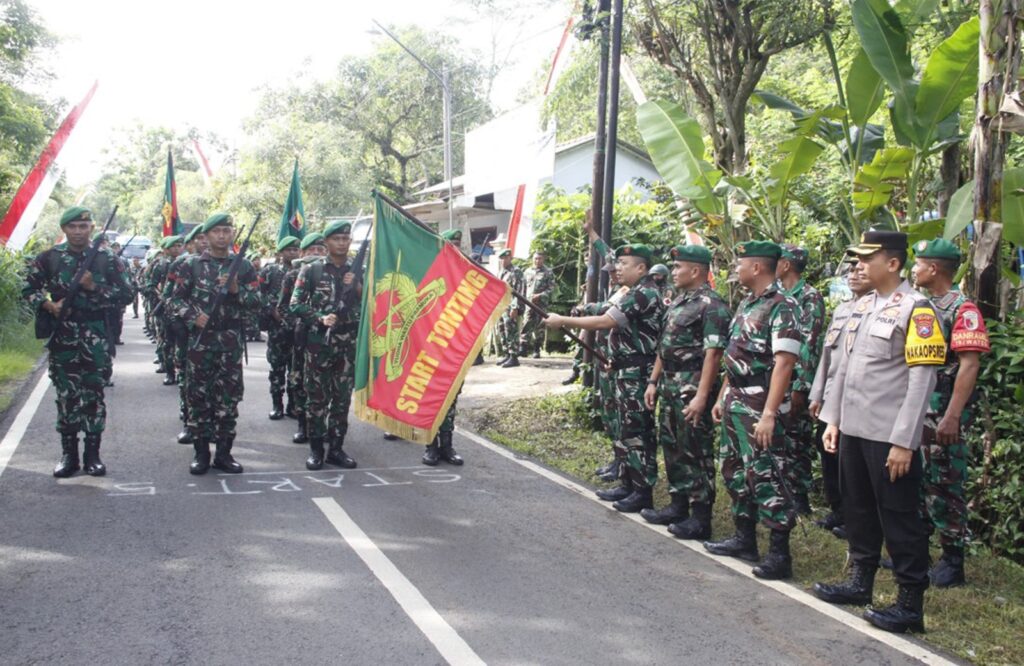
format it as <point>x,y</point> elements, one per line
<point>426,308</point>
<point>293,221</point>
<point>172,221</point>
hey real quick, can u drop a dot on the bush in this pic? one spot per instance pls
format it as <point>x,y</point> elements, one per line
<point>13,310</point>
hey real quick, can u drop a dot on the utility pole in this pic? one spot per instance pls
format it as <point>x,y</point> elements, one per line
<point>612,139</point>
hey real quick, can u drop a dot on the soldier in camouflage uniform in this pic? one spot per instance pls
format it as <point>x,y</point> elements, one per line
<point>79,359</point>
<point>540,285</point>
<point>694,334</point>
<point>660,273</point>
<point>508,327</point>
<point>764,345</point>
<point>195,244</point>
<point>252,319</point>
<point>155,280</point>
<point>214,366</point>
<point>279,336</point>
<point>798,423</point>
<point>634,325</point>
<point>134,272</point>
<point>324,300</point>
<point>950,411</point>
<point>312,249</point>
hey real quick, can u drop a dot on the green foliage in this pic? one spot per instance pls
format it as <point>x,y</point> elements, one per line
<point>961,208</point>
<point>13,311</point>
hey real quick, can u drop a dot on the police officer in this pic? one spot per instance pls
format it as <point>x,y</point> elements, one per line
<point>950,410</point>
<point>694,333</point>
<point>508,327</point>
<point>79,359</point>
<point>325,301</point>
<point>279,336</point>
<point>540,285</point>
<point>875,413</point>
<point>214,363</point>
<point>764,344</point>
<point>634,326</point>
<point>312,249</point>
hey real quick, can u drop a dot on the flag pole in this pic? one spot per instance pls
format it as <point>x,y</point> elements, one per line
<point>522,299</point>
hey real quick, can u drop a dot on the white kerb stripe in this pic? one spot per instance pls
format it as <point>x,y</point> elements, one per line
<point>21,422</point>
<point>451,646</point>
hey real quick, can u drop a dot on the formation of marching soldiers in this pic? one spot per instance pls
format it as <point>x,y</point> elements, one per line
<point>883,392</point>
<point>885,388</point>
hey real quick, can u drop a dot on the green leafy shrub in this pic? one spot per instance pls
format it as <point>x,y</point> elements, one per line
<point>13,311</point>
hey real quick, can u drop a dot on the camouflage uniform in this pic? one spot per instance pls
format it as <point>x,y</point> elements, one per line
<point>214,362</point>
<point>800,428</point>
<point>279,335</point>
<point>296,371</point>
<point>179,337</point>
<point>696,321</point>
<point>155,280</point>
<point>508,326</point>
<point>330,353</point>
<point>538,282</point>
<point>79,359</point>
<point>763,326</point>
<point>945,466</point>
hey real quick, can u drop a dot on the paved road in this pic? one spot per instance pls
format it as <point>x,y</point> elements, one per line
<point>150,565</point>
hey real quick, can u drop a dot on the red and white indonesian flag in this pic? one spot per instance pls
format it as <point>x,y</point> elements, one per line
<point>35,190</point>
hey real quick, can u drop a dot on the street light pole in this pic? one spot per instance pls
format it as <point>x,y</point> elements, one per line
<point>446,95</point>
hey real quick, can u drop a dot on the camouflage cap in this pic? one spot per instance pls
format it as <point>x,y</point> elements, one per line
<point>452,235</point>
<point>696,254</point>
<point>287,242</point>
<point>339,227</point>
<point>758,249</point>
<point>169,241</point>
<point>314,238</point>
<point>939,248</point>
<point>76,214</point>
<point>216,220</point>
<point>635,250</point>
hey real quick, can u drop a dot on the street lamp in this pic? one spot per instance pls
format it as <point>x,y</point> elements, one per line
<point>446,90</point>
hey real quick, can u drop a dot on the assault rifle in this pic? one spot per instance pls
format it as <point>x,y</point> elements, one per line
<point>346,298</point>
<point>47,326</point>
<point>222,291</point>
<point>787,492</point>
<point>125,246</point>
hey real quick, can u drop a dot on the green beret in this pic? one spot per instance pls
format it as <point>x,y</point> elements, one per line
<point>216,220</point>
<point>452,235</point>
<point>505,253</point>
<point>758,249</point>
<point>339,227</point>
<point>314,238</point>
<point>794,253</point>
<point>76,214</point>
<point>287,242</point>
<point>940,248</point>
<point>635,250</point>
<point>695,254</point>
<point>195,231</point>
<point>168,241</point>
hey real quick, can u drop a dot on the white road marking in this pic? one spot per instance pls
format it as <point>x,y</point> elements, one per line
<point>896,642</point>
<point>451,646</point>
<point>21,422</point>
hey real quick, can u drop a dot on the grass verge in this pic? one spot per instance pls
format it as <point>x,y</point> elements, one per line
<point>981,622</point>
<point>18,356</point>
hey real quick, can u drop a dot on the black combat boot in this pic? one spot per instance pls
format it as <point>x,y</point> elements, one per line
<point>609,472</point>
<point>696,527</point>
<point>277,413</point>
<point>186,436</point>
<point>502,360</point>
<point>315,460</point>
<point>677,510</point>
<point>571,379</point>
<point>907,614</point>
<point>201,460</point>
<point>447,453</point>
<point>778,563</point>
<point>512,362</point>
<point>856,590</point>
<point>171,377</point>
<point>617,493</point>
<point>432,454</point>
<point>832,520</point>
<point>949,571</point>
<point>223,460</point>
<point>742,545</point>
<point>68,464</point>
<point>290,410</point>
<point>91,456</point>
<point>302,436</point>
<point>336,455</point>
<point>536,354</point>
<point>803,504</point>
<point>638,500</point>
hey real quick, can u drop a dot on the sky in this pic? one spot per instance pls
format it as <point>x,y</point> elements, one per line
<point>198,63</point>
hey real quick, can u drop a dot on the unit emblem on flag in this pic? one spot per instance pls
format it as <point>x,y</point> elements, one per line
<point>402,307</point>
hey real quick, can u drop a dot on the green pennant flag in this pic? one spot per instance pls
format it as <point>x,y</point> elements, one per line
<point>293,221</point>
<point>426,310</point>
<point>169,211</point>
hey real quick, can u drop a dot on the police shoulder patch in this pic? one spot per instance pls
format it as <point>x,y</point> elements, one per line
<point>925,342</point>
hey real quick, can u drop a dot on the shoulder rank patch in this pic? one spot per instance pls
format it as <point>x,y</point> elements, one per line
<point>925,344</point>
<point>969,333</point>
